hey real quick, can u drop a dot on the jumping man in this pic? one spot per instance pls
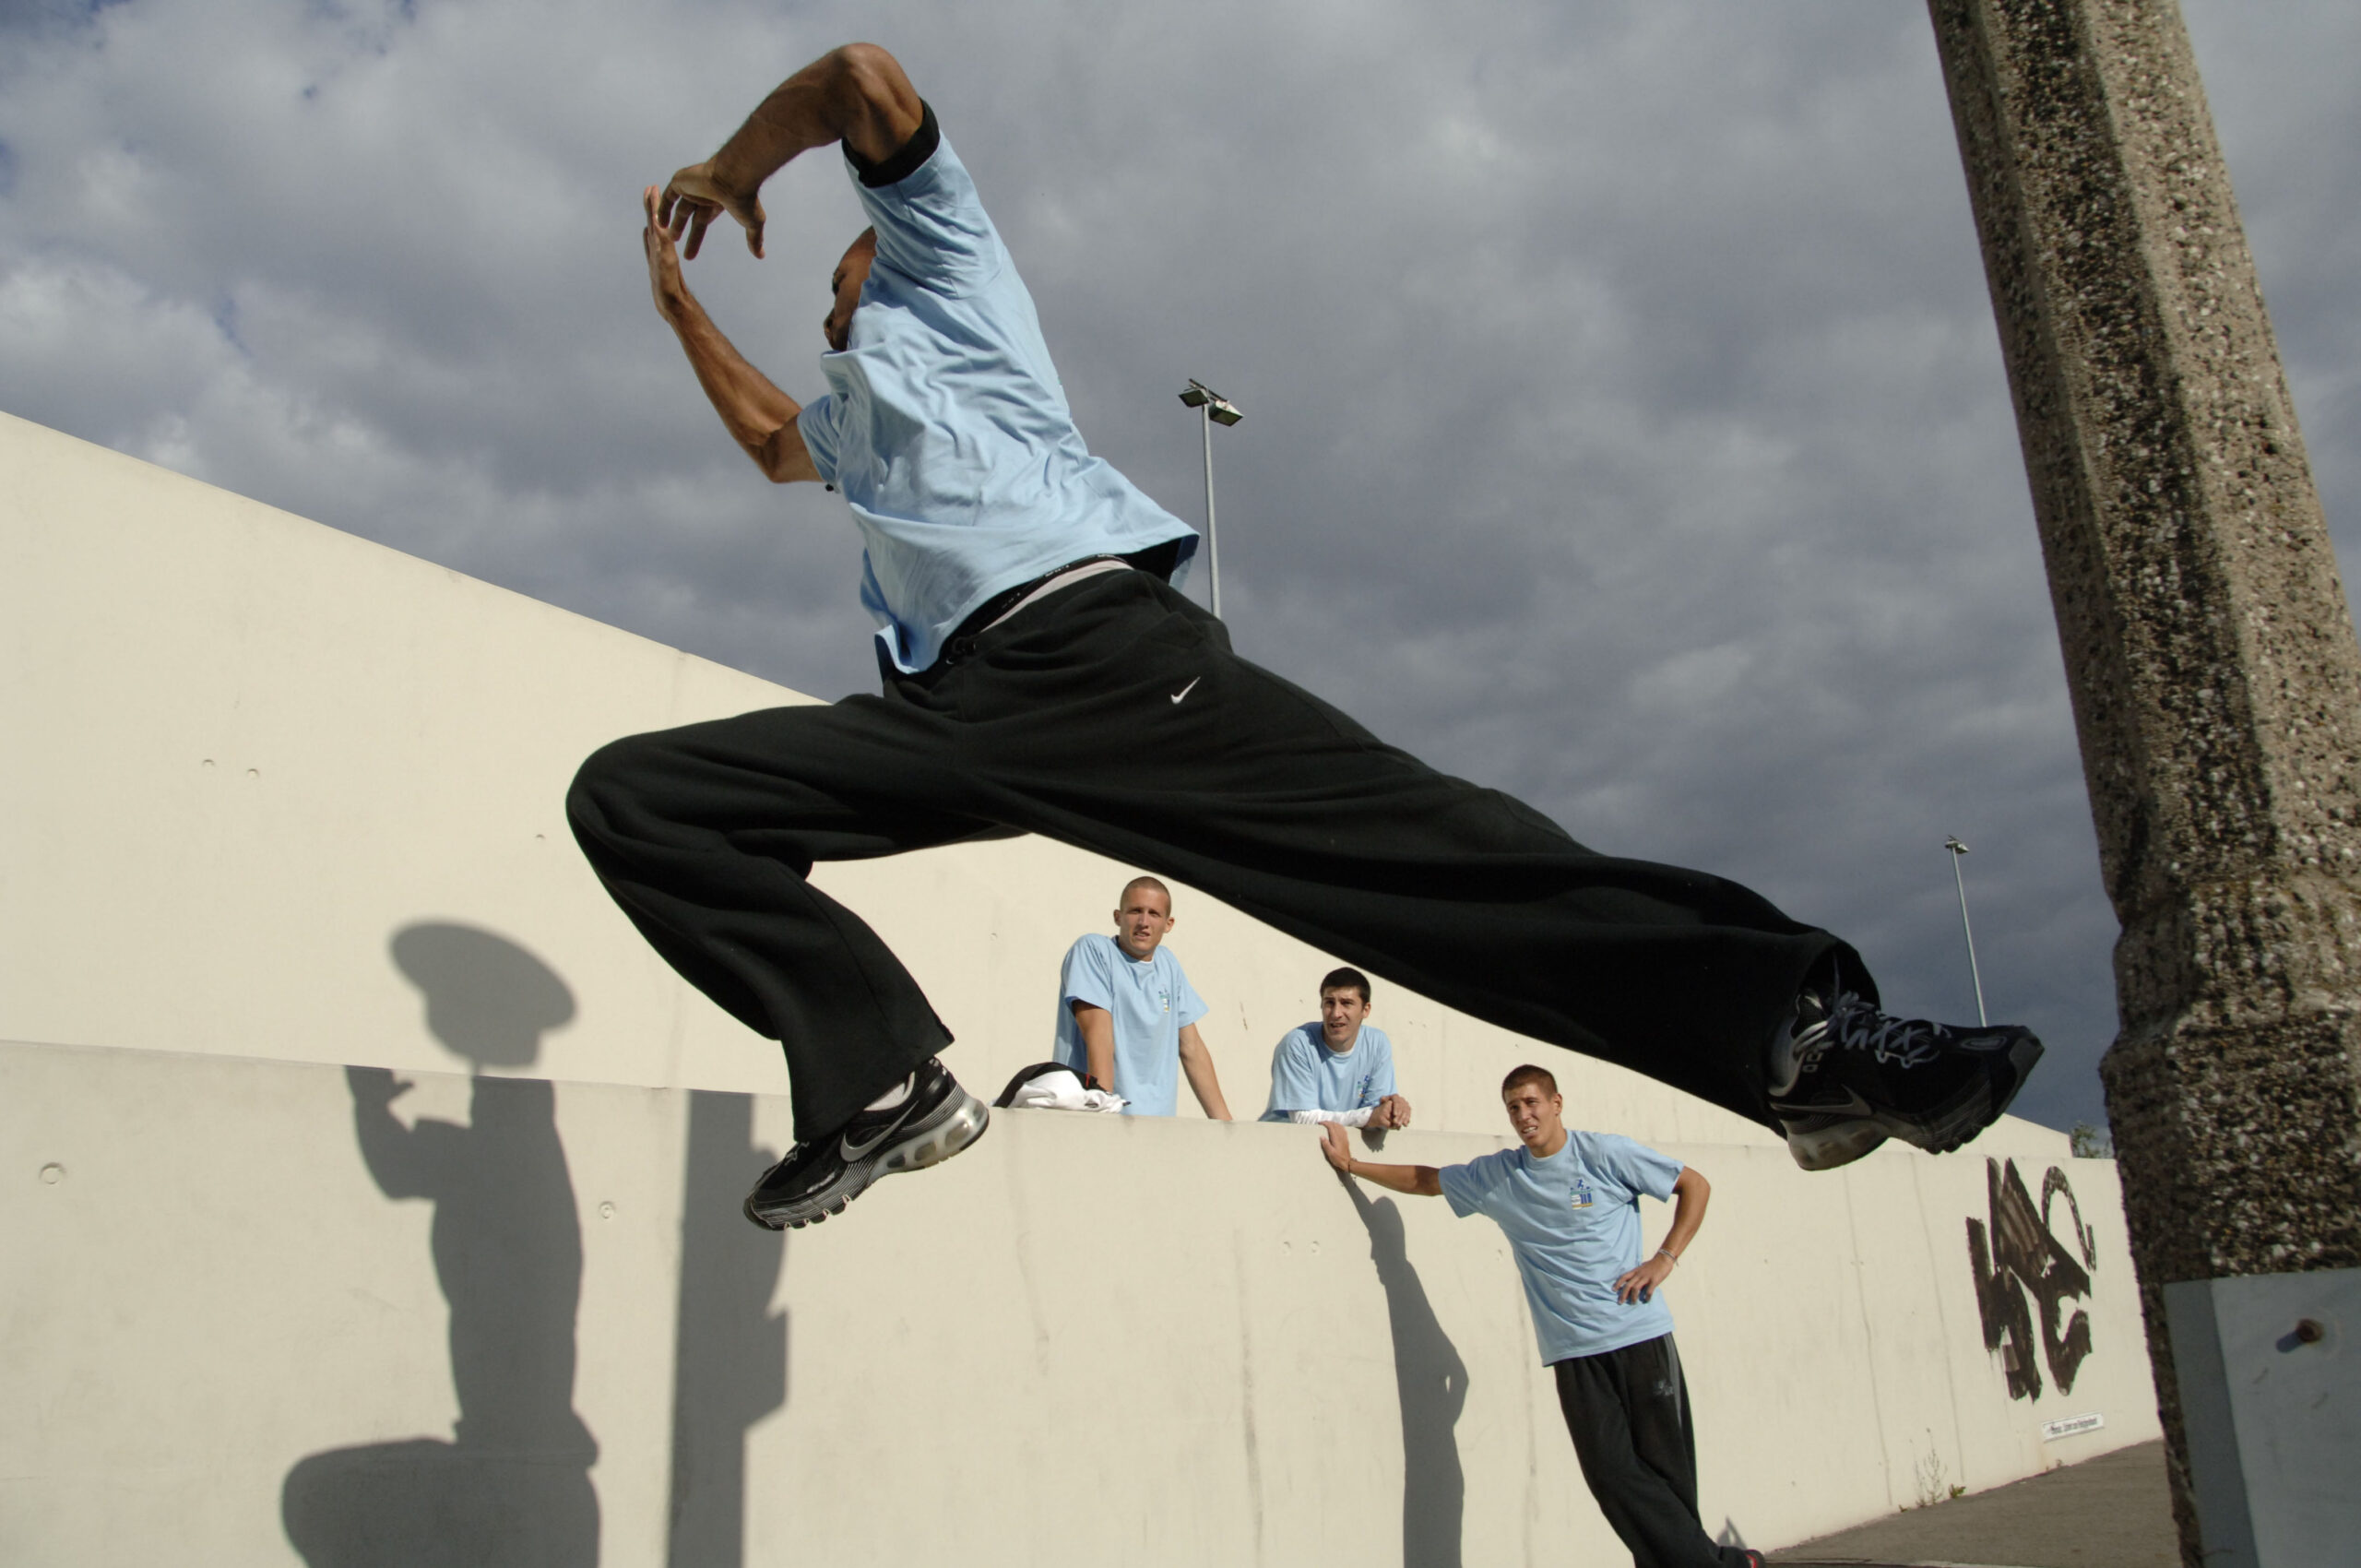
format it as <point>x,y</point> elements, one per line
<point>1034,648</point>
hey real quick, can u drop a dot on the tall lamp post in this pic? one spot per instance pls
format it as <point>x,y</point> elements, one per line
<point>1958,850</point>
<point>1212,408</point>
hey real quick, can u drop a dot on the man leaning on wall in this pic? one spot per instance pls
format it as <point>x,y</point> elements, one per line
<point>1569,1202</point>
<point>1339,1067</point>
<point>1127,1014</point>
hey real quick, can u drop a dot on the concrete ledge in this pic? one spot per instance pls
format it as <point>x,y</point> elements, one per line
<point>532,1307</point>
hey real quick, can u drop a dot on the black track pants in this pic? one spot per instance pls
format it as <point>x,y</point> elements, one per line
<point>1628,1411</point>
<point>1113,716</point>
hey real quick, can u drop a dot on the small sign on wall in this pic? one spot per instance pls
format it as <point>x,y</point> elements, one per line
<point>2072,1426</point>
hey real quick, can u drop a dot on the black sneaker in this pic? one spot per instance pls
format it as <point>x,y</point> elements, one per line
<point>818,1179</point>
<point>1863,1076</point>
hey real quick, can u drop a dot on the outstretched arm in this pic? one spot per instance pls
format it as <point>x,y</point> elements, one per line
<point>857,95</point>
<point>760,417</point>
<point>1417,1181</point>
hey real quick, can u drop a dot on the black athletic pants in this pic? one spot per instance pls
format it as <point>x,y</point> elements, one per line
<point>1628,1411</point>
<point>1113,716</point>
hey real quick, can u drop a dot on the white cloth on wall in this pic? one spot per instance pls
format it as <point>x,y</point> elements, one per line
<point>1061,1089</point>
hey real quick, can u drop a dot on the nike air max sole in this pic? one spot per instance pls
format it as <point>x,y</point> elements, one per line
<point>959,1120</point>
<point>1838,1141</point>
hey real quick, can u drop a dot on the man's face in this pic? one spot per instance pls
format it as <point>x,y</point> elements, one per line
<point>1536,1114</point>
<point>1342,1009</point>
<point>844,289</point>
<point>1142,922</point>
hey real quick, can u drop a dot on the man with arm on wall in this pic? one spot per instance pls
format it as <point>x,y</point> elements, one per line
<point>1127,1014</point>
<point>1340,1068</point>
<point>1569,1202</point>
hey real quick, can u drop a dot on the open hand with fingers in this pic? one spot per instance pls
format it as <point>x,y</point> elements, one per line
<point>1339,1153</point>
<point>664,279</point>
<point>695,197</point>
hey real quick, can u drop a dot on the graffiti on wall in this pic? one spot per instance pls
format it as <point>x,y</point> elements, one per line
<point>2025,1275</point>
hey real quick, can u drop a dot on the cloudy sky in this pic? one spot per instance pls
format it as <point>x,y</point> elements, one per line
<point>1625,423</point>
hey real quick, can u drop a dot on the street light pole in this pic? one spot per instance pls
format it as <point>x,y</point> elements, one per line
<point>1213,539</point>
<point>1212,408</point>
<point>1957,849</point>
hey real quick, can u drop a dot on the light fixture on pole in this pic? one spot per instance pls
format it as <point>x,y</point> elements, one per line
<point>1957,849</point>
<point>1212,408</point>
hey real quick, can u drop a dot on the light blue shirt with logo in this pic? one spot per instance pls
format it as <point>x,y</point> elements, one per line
<point>1307,1075</point>
<point>1151,1001</point>
<point>1573,1222</point>
<point>946,428</point>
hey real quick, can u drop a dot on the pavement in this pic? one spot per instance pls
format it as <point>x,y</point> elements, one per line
<point>2111,1512</point>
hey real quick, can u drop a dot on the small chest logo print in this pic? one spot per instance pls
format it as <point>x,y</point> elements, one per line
<point>1186,690</point>
<point>1582,1198</point>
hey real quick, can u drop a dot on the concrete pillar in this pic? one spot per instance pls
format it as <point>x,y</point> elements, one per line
<point>2216,680</point>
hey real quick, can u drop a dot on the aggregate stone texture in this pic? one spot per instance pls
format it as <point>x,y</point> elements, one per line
<point>2209,651</point>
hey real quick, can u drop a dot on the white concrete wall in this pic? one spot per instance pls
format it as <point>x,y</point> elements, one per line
<point>271,791</point>
<point>1086,1340</point>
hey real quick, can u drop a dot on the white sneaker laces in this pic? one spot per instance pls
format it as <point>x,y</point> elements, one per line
<point>1859,1026</point>
<point>1856,1025</point>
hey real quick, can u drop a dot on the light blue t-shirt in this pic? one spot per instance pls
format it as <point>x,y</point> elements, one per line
<point>1573,1222</point>
<point>1150,1001</point>
<point>947,429</point>
<point>1307,1075</point>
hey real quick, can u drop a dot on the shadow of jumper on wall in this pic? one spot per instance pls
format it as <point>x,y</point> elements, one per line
<point>1432,1383</point>
<point>729,1348</point>
<point>512,1485</point>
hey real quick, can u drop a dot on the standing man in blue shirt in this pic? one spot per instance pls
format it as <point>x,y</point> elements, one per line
<point>1339,1068</point>
<point>1043,674</point>
<point>1127,1014</point>
<point>1569,1202</point>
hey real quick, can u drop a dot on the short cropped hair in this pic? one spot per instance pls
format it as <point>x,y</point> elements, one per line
<point>1345,979</point>
<point>1139,881</point>
<point>1529,1074</point>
